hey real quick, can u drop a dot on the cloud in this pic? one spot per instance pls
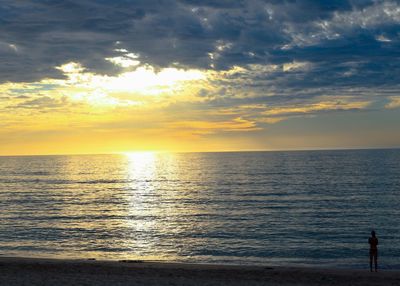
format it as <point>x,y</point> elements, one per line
<point>208,127</point>
<point>394,102</point>
<point>261,61</point>
<point>40,35</point>
<point>315,108</point>
<point>42,103</point>
<point>293,66</point>
<point>125,61</point>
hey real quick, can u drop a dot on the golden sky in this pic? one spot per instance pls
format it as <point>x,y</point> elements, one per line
<point>158,110</point>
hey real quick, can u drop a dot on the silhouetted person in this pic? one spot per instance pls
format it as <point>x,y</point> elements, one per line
<point>373,250</point>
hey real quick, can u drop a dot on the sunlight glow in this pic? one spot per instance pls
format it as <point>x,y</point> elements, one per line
<point>147,81</point>
<point>140,160</point>
<point>135,86</point>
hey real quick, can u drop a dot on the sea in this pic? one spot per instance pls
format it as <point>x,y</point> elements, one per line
<point>289,208</point>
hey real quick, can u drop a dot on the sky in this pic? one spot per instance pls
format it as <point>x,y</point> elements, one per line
<point>99,76</point>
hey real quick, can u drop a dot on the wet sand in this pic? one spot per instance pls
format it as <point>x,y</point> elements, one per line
<point>29,271</point>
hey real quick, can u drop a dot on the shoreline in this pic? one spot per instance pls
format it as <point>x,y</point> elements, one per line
<point>50,271</point>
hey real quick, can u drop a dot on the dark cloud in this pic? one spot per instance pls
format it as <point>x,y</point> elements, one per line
<point>352,43</point>
<point>215,4</point>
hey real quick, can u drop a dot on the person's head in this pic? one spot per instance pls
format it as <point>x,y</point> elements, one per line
<point>373,233</point>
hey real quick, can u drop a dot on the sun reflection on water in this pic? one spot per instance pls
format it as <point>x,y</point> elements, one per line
<point>142,198</point>
<point>141,171</point>
<point>153,205</point>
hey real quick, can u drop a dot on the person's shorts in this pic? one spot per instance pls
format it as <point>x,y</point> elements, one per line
<point>373,253</point>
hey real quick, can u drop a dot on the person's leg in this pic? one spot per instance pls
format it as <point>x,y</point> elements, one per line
<point>370,260</point>
<point>376,261</point>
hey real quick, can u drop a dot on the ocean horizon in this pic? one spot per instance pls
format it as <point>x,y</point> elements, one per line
<point>296,208</point>
<point>132,152</point>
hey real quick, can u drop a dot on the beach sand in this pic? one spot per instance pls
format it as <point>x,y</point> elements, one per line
<point>29,271</point>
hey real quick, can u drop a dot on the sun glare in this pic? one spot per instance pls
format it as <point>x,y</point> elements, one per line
<point>140,158</point>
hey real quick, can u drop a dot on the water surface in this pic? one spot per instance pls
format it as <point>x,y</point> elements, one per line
<point>274,208</point>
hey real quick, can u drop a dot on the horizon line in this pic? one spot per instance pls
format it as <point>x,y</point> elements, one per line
<point>219,151</point>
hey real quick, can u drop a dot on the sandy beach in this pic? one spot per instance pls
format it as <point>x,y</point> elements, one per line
<point>29,271</point>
